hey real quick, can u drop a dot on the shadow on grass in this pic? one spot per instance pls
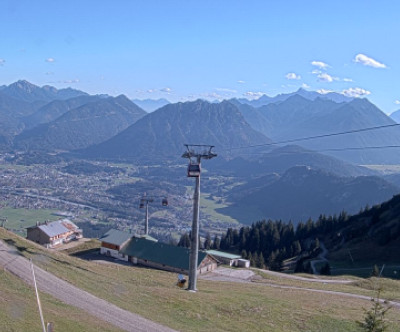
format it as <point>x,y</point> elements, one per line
<point>86,253</point>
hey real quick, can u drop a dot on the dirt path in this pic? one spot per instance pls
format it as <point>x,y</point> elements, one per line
<point>320,259</point>
<point>11,261</point>
<point>312,278</point>
<point>248,276</point>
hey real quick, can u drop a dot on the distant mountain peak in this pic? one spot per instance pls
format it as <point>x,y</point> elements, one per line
<point>24,85</point>
<point>28,92</point>
<point>122,97</point>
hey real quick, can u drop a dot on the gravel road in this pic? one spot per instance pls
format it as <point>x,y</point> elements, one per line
<point>11,261</point>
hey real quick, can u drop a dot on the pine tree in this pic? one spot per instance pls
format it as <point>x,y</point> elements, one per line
<point>216,243</point>
<point>375,271</point>
<point>184,241</point>
<point>261,262</point>
<point>250,257</point>
<point>296,248</point>
<point>255,261</point>
<point>374,320</point>
<point>207,242</point>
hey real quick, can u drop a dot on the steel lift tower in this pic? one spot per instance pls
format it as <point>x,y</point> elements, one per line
<point>144,202</point>
<point>195,153</point>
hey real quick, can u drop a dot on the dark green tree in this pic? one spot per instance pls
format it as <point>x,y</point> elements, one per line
<point>184,241</point>
<point>325,269</point>
<point>216,243</point>
<point>261,262</point>
<point>255,260</point>
<point>296,248</point>
<point>375,271</point>
<point>374,319</point>
<point>207,242</point>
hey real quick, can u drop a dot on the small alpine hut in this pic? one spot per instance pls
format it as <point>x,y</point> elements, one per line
<point>229,259</point>
<point>55,233</point>
<point>113,241</point>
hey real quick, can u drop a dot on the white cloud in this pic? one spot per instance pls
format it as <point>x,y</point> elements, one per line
<point>347,80</point>
<point>367,61</point>
<point>49,73</point>
<point>324,77</point>
<point>320,64</point>
<point>397,102</point>
<point>253,94</point>
<point>305,86</point>
<point>50,60</point>
<point>166,90</point>
<point>356,92</point>
<point>324,91</point>
<point>241,82</point>
<point>212,96</point>
<point>293,76</point>
<point>2,61</point>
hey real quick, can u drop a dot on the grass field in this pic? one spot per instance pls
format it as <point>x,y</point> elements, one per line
<point>217,306</point>
<point>19,311</point>
<point>19,219</point>
<point>209,207</point>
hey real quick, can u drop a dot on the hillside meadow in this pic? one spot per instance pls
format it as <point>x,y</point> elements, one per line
<point>217,306</point>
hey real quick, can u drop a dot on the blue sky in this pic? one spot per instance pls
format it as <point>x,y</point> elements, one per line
<point>183,50</point>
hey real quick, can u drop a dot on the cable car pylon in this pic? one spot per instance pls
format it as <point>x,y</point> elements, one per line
<point>144,202</point>
<point>195,153</point>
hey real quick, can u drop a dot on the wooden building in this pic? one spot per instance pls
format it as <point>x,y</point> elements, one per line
<point>112,242</point>
<point>53,234</point>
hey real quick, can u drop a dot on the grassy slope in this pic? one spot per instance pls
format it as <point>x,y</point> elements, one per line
<point>19,312</point>
<point>218,306</point>
<point>210,207</point>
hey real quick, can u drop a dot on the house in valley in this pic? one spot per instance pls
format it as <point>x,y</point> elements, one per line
<point>55,233</point>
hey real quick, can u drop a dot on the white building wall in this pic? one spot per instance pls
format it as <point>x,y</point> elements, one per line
<point>113,253</point>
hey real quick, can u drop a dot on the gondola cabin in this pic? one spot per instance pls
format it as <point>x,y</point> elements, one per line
<point>193,170</point>
<point>164,202</point>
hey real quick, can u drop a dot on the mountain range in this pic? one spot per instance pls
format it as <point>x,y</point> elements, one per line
<point>163,133</point>
<point>268,146</point>
<point>302,193</point>
<point>28,92</point>
<point>83,126</point>
<point>286,118</point>
<point>298,119</point>
<point>310,95</point>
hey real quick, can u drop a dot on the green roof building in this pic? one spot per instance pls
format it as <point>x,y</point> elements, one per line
<point>163,256</point>
<point>113,241</point>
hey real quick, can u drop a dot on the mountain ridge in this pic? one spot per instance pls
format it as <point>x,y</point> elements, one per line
<point>80,127</point>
